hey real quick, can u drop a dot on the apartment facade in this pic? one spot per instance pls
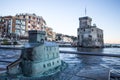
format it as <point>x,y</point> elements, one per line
<point>21,24</point>
<point>33,22</point>
<point>11,25</point>
<point>88,35</point>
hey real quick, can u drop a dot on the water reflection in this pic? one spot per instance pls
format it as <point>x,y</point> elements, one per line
<point>90,60</point>
<point>111,63</point>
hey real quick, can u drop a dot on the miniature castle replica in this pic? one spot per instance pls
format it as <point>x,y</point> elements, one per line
<point>88,35</point>
<point>38,58</point>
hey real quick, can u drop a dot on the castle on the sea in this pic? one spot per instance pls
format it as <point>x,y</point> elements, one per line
<point>88,35</point>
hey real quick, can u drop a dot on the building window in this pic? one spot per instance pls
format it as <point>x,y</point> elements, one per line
<point>78,36</point>
<point>29,17</point>
<point>44,66</point>
<point>90,36</point>
<point>57,61</point>
<point>92,29</point>
<point>22,32</point>
<point>42,41</point>
<point>49,64</point>
<point>22,22</point>
<point>57,55</point>
<point>18,22</point>
<point>48,56</point>
<point>47,48</point>
<point>37,28</point>
<point>50,48</point>
<point>53,63</point>
<point>23,27</point>
<point>53,55</point>
<point>33,17</point>
<point>84,29</point>
<point>28,26</point>
<point>82,36</point>
<point>23,16</point>
<point>17,32</point>
<point>17,26</point>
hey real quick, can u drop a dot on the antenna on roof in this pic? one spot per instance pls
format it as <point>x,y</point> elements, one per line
<point>85,11</point>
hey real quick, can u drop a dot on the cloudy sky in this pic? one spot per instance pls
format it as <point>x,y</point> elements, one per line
<point>62,15</point>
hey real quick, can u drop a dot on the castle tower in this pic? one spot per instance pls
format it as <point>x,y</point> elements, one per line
<point>88,35</point>
<point>36,36</point>
<point>84,22</point>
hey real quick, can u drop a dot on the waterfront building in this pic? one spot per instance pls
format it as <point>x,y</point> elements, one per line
<point>21,24</point>
<point>33,22</point>
<point>64,38</point>
<point>67,39</point>
<point>11,25</point>
<point>50,35</point>
<point>88,35</point>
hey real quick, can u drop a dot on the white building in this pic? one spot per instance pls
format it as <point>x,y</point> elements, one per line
<point>67,39</point>
<point>88,35</point>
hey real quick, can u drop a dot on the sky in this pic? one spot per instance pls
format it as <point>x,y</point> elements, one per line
<point>63,15</point>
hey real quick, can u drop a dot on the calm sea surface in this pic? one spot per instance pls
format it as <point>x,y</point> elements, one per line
<point>112,63</point>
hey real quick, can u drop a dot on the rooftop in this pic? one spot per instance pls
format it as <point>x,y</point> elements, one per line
<point>86,17</point>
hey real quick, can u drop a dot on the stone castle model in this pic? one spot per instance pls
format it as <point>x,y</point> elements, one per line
<point>38,57</point>
<point>88,35</point>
